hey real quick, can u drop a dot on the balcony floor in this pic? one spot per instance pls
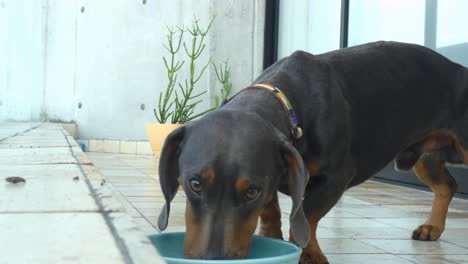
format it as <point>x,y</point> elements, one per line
<point>372,223</point>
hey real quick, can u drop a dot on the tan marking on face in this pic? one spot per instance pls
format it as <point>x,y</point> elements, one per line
<point>313,167</point>
<point>239,237</point>
<point>195,238</point>
<point>208,176</point>
<point>241,185</point>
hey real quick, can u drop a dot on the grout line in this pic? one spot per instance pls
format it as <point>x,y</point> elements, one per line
<point>125,197</point>
<point>446,241</point>
<point>357,239</point>
<point>105,213</point>
<point>20,133</point>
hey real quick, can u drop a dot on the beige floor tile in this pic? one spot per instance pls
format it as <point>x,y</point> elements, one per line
<point>377,211</point>
<point>127,206</point>
<point>147,205</point>
<point>374,232</point>
<point>412,223</point>
<point>141,193</point>
<point>347,245</point>
<point>349,200</point>
<point>436,259</point>
<point>38,156</point>
<point>340,213</point>
<point>142,222</point>
<point>143,184</point>
<point>172,228</point>
<point>350,222</point>
<point>454,233</point>
<point>35,194</point>
<point>144,199</point>
<point>177,209</point>
<point>125,180</point>
<point>330,233</point>
<point>39,238</point>
<point>149,187</point>
<point>110,164</point>
<point>366,259</point>
<point>34,143</point>
<point>415,247</point>
<point>460,242</point>
<point>124,171</point>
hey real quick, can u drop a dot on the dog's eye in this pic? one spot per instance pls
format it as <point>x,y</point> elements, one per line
<point>196,185</point>
<point>252,193</point>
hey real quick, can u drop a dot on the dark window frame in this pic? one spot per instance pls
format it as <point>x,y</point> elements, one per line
<point>270,38</point>
<point>270,56</point>
<point>270,42</point>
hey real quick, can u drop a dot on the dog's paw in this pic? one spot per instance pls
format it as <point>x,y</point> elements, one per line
<point>426,232</point>
<point>313,257</point>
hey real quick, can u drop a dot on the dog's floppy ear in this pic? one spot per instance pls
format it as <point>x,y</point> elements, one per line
<point>298,177</point>
<point>169,172</point>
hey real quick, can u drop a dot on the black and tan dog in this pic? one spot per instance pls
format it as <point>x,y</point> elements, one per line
<point>358,108</point>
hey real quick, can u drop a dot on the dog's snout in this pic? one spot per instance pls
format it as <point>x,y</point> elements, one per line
<point>215,248</point>
<point>215,253</point>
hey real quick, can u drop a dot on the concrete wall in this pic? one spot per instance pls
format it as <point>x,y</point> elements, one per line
<point>106,56</point>
<point>21,59</point>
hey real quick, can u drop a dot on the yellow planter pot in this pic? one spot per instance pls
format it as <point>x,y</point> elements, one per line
<point>157,134</point>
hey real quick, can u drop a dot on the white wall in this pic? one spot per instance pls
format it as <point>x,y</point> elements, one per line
<point>109,58</point>
<point>21,59</point>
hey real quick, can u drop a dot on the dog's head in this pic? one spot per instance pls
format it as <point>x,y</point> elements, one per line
<point>229,164</point>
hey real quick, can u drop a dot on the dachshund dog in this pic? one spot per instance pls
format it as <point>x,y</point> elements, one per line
<point>312,126</point>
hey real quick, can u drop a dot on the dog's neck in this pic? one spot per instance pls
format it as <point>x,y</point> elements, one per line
<point>265,104</point>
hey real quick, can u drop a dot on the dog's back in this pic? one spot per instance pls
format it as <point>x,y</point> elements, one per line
<point>390,85</point>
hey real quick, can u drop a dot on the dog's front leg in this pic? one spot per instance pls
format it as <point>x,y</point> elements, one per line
<point>311,254</point>
<point>270,219</point>
<point>318,202</point>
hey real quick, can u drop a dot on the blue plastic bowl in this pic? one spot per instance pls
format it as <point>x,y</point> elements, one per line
<point>263,250</point>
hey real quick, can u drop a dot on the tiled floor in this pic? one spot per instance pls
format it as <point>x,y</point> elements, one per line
<point>371,224</point>
<point>55,207</point>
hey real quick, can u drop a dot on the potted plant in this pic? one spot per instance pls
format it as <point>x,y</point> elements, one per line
<point>177,103</point>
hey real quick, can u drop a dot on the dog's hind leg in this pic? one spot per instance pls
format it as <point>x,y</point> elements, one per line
<point>406,159</point>
<point>431,169</point>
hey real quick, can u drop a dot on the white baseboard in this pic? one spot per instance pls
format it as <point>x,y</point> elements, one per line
<point>116,146</point>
